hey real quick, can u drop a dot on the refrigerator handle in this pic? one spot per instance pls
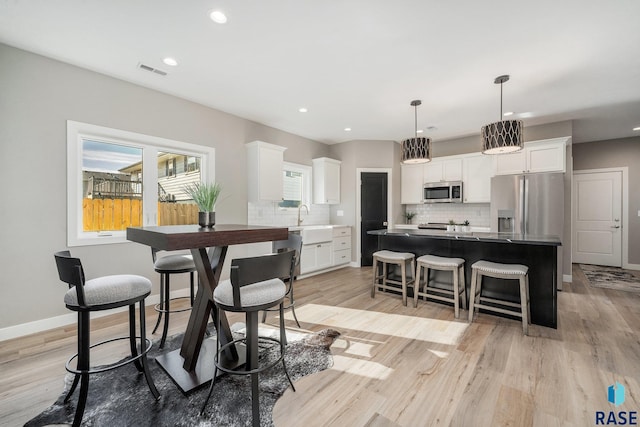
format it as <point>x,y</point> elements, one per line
<point>525,206</point>
<point>521,200</point>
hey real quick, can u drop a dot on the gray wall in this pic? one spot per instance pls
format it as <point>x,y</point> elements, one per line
<point>364,154</point>
<point>37,97</point>
<point>617,153</point>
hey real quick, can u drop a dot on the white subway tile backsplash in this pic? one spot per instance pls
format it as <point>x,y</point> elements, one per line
<point>478,214</point>
<point>269,213</point>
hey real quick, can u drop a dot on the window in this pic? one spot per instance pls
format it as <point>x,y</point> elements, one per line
<point>296,185</point>
<point>109,189</point>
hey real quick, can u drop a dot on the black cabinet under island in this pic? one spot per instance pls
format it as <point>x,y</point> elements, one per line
<point>539,253</point>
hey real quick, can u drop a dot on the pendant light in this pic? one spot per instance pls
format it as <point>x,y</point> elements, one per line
<point>416,150</point>
<point>504,136</point>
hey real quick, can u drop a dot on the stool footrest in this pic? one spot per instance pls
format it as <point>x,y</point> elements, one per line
<point>501,302</point>
<point>111,366</point>
<point>498,309</point>
<point>252,371</point>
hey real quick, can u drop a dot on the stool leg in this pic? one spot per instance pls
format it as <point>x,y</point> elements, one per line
<point>416,285</point>
<point>83,365</point>
<point>132,336</point>
<point>252,361</point>
<point>456,294</point>
<point>292,302</point>
<point>375,277</point>
<point>191,288</point>
<point>403,271</point>
<point>472,294</point>
<point>283,342</point>
<point>526,282</point>
<point>167,307</point>
<point>76,378</point>
<point>412,270</point>
<point>463,284</point>
<point>161,304</point>
<point>385,273</point>
<point>524,303</point>
<point>143,349</point>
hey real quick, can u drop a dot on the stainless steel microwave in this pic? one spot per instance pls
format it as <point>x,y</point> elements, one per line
<point>443,192</point>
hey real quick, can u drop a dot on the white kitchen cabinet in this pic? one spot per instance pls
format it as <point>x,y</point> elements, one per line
<point>477,170</point>
<point>326,181</point>
<point>264,168</point>
<point>341,245</point>
<point>411,183</point>
<point>315,256</point>
<point>443,170</point>
<point>537,156</point>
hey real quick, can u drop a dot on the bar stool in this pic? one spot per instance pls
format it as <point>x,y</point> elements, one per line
<point>254,285</point>
<point>99,294</point>
<point>166,266</point>
<point>456,266</point>
<point>400,259</point>
<point>501,271</point>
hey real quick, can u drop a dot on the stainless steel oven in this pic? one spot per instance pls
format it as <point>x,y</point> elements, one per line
<point>443,192</point>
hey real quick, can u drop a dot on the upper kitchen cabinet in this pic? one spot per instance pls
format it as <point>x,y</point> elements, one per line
<point>477,170</point>
<point>326,181</point>
<point>443,170</point>
<point>264,166</point>
<point>548,155</point>
<point>411,183</point>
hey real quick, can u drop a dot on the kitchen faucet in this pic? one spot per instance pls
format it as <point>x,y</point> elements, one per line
<point>300,207</point>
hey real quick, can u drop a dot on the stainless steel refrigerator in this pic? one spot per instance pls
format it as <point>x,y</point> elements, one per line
<point>531,204</point>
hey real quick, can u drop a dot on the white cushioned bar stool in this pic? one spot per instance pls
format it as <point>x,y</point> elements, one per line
<point>501,271</point>
<point>166,266</point>
<point>382,281</point>
<point>456,266</point>
<point>98,294</point>
<point>254,285</point>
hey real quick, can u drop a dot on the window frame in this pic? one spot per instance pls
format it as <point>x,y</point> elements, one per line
<point>150,145</point>
<point>307,177</point>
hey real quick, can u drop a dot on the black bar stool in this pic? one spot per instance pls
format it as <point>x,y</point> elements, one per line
<point>294,242</point>
<point>98,294</point>
<point>166,266</point>
<point>255,285</point>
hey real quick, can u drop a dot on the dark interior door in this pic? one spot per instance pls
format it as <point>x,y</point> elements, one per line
<point>373,204</point>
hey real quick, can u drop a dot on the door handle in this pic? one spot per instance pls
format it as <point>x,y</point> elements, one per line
<point>615,226</point>
<point>385,223</point>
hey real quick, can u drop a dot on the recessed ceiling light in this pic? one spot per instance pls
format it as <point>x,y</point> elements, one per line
<point>218,17</point>
<point>170,61</point>
<point>509,113</point>
<point>638,128</point>
<point>419,131</point>
<point>347,129</point>
<point>302,110</point>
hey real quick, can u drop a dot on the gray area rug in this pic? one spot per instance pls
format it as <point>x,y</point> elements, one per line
<point>121,397</point>
<point>611,278</point>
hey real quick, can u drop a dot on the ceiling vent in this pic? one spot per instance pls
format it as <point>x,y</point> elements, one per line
<point>151,69</point>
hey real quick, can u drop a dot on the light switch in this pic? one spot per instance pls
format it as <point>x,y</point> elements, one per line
<point>341,213</point>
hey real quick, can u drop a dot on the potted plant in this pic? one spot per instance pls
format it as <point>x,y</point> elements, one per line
<point>205,195</point>
<point>451,226</point>
<point>466,227</point>
<point>409,216</point>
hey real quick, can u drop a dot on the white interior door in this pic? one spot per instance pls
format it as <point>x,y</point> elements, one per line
<point>597,221</point>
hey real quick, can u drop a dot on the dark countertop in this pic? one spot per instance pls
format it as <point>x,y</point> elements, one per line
<point>477,236</point>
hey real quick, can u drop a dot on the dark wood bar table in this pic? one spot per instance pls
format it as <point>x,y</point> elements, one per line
<point>192,365</point>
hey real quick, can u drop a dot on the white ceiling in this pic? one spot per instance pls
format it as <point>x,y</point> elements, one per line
<point>359,63</point>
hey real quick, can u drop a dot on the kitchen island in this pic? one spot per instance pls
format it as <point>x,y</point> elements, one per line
<point>539,253</point>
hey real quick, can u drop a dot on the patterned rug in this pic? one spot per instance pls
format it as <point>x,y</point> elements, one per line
<point>611,278</point>
<point>122,398</point>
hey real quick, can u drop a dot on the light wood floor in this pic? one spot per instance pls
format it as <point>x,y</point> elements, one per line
<point>400,366</point>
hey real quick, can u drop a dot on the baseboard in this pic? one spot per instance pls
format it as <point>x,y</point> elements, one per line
<point>631,266</point>
<point>36,326</point>
<point>567,278</point>
<point>325,270</point>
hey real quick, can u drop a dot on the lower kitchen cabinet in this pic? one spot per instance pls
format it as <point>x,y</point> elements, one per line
<point>315,256</point>
<point>341,245</point>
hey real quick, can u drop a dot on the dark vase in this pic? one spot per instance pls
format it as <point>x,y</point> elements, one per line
<point>207,219</point>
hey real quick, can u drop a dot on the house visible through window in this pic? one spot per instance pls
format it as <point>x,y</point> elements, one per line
<point>110,190</point>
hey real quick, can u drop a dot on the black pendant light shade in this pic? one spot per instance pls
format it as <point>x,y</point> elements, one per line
<point>504,136</point>
<point>416,150</point>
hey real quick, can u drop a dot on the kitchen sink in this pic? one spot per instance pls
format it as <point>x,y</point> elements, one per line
<point>316,234</point>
